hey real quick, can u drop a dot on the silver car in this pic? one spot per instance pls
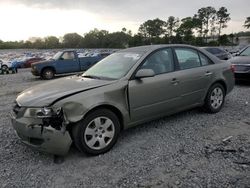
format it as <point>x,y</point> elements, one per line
<point>241,64</point>
<point>125,89</point>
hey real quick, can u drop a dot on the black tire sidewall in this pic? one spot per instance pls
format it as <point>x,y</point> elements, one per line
<point>44,75</point>
<point>208,105</point>
<point>4,67</point>
<point>80,127</point>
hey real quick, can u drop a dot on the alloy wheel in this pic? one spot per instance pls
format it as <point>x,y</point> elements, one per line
<point>99,133</point>
<point>216,98</point>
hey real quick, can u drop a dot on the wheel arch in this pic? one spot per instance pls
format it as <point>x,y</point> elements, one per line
<point>112,108</point>
<point>48,67</point>
<point>222,82</point>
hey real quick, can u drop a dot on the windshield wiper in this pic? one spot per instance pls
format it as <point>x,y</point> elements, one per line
<point>91,76</point>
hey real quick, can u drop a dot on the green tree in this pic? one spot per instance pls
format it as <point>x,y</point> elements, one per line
<point>247,23</point>
<point>198,23</point>
<point>136,40</point>
<point>186,30</point>
<point>222,17</point>
<point>152,28</point>
<point>117,40</point>
<point>206,15</point>
<point>52,42</point>
<point>231,36</point>
<point>72,40</point>
<point>223,40</point>
<point>172,24</point>
<point>95,39</point>
<point>38,44</point>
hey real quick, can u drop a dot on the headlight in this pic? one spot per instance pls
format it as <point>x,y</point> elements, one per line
<point>38,112</point>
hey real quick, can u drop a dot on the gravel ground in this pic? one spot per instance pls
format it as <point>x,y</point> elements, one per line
<point>184,150</point>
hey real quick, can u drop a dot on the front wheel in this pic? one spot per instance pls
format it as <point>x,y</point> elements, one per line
<point>215,98</point>
<point>48,74</point>
<point>97,133</point>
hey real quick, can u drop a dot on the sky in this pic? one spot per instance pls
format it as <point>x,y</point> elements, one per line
<point>22,19</point>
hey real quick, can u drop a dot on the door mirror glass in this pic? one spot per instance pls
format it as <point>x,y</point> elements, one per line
<point>144,73</point>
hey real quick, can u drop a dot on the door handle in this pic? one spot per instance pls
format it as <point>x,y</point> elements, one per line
<point>175,81</point>
<point>208,73</point>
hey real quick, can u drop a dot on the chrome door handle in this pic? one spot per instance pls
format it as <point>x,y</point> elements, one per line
<point>208,73</point>
<point>175,81</point>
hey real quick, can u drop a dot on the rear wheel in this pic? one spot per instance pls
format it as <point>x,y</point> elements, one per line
<point>48,74</point>
<point>215,98</point>
<point>97,132</point>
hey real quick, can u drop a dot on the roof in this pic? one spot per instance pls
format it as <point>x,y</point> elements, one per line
<point>144,49</point>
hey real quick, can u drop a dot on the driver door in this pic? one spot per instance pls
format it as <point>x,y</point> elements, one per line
<point>67,63</point>
<point>155,96</point>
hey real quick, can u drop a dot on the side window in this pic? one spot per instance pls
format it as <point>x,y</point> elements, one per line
<point>68,55</point>
<point>160,62</point>
<point>204,60</point>
<point>187,58</point>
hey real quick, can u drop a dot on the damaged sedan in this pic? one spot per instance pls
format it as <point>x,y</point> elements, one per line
<point>125,89</point>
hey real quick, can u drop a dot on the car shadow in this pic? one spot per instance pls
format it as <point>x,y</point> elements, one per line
<point>242,83</point>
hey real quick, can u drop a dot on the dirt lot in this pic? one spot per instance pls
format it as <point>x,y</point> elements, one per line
<point>184,150</point>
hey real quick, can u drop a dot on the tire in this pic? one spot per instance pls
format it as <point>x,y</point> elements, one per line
<point>97,133</point>
<point>4,68</point>
<point>215,98</point>
<point>48,74</point>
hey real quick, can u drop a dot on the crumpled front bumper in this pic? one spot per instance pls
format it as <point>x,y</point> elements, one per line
<point>42,138</point>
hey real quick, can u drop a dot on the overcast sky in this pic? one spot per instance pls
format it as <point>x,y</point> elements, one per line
<point>21,19</point>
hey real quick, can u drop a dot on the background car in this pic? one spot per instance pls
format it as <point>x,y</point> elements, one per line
<point>28,62</point>
<point>218,52</point>
<point>5,65</point>
<point>241,64</point>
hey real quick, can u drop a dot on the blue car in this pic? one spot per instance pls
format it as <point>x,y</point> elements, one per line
<point>64,62</point>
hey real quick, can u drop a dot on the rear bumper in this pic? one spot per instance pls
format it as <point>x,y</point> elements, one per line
<point>46,139</point>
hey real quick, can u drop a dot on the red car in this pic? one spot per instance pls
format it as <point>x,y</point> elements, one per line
<point>27,63</point>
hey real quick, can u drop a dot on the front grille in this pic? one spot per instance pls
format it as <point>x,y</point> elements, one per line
<point>16,108</point>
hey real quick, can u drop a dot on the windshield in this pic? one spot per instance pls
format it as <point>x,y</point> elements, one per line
<point>57,55</point>
<point>245,52</point>
<point>114,66</point>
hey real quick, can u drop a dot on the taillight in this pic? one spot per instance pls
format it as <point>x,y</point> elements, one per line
<point>232,68</point>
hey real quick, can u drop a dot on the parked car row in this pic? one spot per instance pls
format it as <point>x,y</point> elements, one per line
<point>125,89</point>
<point>219,52</point>
<point>5,65</point>
<point>240,60</point>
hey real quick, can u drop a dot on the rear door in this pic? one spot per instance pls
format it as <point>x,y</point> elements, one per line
<point>158,95</point>
<point>194,75</point>
<point>67,63</point>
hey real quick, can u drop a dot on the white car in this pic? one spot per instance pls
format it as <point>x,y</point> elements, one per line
<point>5,65</point>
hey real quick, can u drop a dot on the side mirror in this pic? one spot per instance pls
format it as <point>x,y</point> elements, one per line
<point>144,73</point>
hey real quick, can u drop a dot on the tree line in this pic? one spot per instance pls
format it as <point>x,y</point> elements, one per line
<point>203,28</point>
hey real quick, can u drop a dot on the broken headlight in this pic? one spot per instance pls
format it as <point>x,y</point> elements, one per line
<point>44,112</point>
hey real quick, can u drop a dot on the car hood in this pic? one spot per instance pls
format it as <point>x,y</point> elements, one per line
<point>43,62</point>
<point>240,60</point>
<point>45,94</point>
